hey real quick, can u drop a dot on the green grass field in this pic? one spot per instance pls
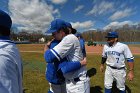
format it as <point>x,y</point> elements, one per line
<point>34,72</point>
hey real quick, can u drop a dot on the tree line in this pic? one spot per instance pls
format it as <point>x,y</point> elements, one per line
<point>32,37</point>
<point>127,33</point>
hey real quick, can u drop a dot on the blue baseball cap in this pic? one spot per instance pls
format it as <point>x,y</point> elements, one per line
<point>56,25</point>
<point>112,34</point>
<point>5,20</point>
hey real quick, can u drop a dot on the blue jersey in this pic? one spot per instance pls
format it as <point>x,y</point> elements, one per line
<point>82,45</point>
<point>51,69</point>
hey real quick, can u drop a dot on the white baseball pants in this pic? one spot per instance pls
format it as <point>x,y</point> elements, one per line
<point>117,75</point>
<point>82,86</point>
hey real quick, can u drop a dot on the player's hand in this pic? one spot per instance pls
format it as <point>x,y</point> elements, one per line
<point>130,75</point>
<point>102,68</point>
<point>83,62</point>
<point>47,45</point>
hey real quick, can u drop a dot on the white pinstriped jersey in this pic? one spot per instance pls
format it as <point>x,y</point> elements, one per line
<point>70,47</point>
<point>117,54</point>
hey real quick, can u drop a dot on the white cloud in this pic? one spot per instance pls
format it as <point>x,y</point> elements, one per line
<point>101,8</point>
<point>33,15</point>
<point>79,8</point>
<point>114,25</point>
<point>121,14</point>
<point>82,25</point>
<point>58,1</point>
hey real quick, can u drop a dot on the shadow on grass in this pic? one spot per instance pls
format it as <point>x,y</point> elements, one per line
<point>96,89</point>
<point>116,90</point>
<point>91,72</point>
<point>24,90</point>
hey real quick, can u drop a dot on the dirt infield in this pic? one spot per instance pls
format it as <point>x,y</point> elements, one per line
<point>89,49</point>
<point>98,50</point>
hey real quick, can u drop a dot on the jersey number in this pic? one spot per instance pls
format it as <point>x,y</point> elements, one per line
<point>117,60</point>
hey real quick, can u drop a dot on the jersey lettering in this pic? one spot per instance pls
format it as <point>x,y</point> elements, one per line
<point>113,53</point>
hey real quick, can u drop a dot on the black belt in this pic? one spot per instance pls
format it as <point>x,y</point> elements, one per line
<point>116,67</point>
<point>74,79</point>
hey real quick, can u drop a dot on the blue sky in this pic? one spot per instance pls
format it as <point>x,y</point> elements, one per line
<point>36,15</point>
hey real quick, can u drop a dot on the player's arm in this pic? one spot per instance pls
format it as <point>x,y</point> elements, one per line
<point>130,75</point>
<point>64,47</point>
<point>67,67</point>
<point>130,60</point>
<point>50,56</point>
<point>102,64</point>
<point>60,51</point>
<point>103,60</point>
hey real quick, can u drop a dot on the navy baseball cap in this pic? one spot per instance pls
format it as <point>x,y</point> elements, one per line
<point>56,25</point>
<point>112,34</point>
<point>5,20</point>
<point>78,35</point>
<point>70,26</point>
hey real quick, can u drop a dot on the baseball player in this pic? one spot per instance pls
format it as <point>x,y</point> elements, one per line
<point>55,71</point>
<point>82,44</point>
<point>114,54</point>
<point>76,81</point>
<point>10,59</point>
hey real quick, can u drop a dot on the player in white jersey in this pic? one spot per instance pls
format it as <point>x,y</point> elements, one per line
<point>114,54</point>
<point>76,81</point>
<point>10,59</point>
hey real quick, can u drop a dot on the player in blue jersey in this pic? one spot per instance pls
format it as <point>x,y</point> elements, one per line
<point>82,44</point>
<point>114,55</point>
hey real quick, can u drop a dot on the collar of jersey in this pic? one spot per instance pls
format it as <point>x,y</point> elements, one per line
<point>113,44</point>
<point>4,38</point>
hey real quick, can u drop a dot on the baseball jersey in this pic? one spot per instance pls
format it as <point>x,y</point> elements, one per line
<point>117,54</point>
<point>10,68</point>
<point>70,47</point>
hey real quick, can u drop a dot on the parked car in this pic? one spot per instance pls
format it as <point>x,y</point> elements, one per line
<point>90,43</point>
